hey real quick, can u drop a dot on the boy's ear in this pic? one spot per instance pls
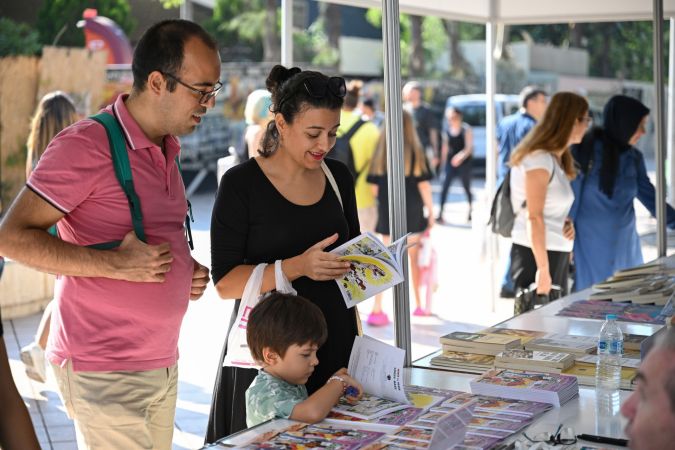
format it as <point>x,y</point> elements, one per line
<point>270,357</point>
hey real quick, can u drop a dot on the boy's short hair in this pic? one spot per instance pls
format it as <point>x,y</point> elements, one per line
<point>281,320</point>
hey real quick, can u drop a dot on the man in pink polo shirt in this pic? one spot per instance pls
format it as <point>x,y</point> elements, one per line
<point>114,335</point>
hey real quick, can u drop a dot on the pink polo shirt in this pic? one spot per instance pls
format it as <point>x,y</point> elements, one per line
<point>101,324</point>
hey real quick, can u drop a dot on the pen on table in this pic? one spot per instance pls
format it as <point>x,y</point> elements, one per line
<point>603,439</point>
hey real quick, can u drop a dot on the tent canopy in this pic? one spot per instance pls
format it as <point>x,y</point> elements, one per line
<point>527,11</point>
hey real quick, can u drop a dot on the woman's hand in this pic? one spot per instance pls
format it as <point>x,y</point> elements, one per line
<point>431,221</point>
<point>319,265</point>
<point>568,229</point>
<point>458,159</point>
<point>543,280</point>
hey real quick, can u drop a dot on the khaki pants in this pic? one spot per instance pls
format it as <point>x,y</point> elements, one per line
<point>120,410</point>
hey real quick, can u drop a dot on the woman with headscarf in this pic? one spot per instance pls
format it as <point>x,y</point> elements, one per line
<point>612,174</point>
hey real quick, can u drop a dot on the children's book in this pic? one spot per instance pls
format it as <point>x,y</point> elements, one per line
<point>518,409</point>
<point>378,367</point>
<point>534,359</point>
<point>540,387</point>
<point>368,407</point>
<point>301,436</point>
<point>484,344</point>
<point>463,362</point>
<point>374,267</point>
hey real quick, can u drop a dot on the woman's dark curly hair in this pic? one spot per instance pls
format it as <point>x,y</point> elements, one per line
<point>290,96</point>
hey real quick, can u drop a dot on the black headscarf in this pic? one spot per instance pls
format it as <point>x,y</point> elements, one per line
<point>622,116</point>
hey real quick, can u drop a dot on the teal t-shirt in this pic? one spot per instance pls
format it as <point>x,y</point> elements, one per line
<point>270,397</point>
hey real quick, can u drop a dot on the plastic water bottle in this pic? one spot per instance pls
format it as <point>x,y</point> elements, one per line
<point>608,367</point>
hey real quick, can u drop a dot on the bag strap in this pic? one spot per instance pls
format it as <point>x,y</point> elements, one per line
<point>188,217</point>
<point>332,182</point>
<point>120,158</point>
<point>354,128</point>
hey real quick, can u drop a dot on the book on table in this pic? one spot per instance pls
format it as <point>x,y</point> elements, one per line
<point>478,343</point>
<point>585,374</point>
<point>463,362</point>
<point>374,267</point>
<point>576,345</point>
<point>550,388</point>
<point>552,362</point>
<point>524,335</point>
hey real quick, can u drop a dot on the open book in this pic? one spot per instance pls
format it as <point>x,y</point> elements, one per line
<point>374,267</point>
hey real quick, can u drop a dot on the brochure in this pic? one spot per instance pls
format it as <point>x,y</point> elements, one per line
<point>378,367</point>
<point>374,267</point>
<point>315,436</point>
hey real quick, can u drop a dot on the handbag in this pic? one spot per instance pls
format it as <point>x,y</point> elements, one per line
<point>238,354</point>
<point>528,299</point>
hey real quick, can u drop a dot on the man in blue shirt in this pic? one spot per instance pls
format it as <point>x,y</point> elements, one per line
<point>510,131</point>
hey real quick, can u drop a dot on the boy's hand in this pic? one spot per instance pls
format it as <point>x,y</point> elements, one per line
<point>354,389</point>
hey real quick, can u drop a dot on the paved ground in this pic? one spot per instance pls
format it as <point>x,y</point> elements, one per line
<point>463,301</point>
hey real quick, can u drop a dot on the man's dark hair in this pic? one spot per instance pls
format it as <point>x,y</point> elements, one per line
<point>161,49</point>
<point>528,93</point>
<point>281,320</point>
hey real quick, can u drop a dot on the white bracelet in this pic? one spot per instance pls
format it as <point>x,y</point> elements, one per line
<point>340,379</point>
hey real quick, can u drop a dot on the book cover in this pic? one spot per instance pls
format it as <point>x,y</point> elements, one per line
<point>368,407</point>
<point>373,267</point>
<point>415,434</point>
<point>524,335</point>
<point>561,345</point>
<point>491,405</point>
<point>477,442</point>
<point>525,380</point>
<point>316,436</point>
<point>478,340</point>
<point>535,358</point>
<point>625,312</point>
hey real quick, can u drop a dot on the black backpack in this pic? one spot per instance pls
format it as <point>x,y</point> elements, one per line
<point>343,150</point>
<point>502,216</point>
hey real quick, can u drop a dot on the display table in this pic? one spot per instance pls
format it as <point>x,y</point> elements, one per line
<point>579,413</point>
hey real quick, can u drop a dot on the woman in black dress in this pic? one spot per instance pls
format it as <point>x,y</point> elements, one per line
<point>456,154</point>
<point>417,197</point>
<point>280,205</point>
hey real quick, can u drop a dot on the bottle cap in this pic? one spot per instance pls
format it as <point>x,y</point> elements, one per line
<point>610,317</point>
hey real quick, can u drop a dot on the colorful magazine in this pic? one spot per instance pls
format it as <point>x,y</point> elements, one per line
<point>302,436</point>
<point>514,407</point>
<point>368,407</point>
<point>625,312</point>
<point>556,389</point>
<point>374,267</point>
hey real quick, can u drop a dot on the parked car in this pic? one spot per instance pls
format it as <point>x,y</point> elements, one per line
<point>473,110</point>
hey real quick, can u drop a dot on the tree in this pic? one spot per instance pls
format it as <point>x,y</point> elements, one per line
<point>17,39</point>
<point>57,19</point>
<point>417,47</point>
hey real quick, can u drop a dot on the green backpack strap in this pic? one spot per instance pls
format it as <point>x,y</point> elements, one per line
<point>120,159</point>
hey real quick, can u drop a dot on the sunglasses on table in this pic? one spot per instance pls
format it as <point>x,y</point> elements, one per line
<point>562,436</point>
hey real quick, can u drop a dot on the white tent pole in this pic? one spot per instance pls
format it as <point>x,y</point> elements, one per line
<point>490,149</point>
<point>659,129</point>
<point>186,10</point>
<point>287,33</point>
<point>671,106</point>
<point>396,178</point>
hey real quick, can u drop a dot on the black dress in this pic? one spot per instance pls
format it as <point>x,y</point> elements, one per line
<point>416,222</point>
<point>253,223</point>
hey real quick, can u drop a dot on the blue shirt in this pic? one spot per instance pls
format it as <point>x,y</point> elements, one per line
<point>510,131</point>
<point>606,236</point>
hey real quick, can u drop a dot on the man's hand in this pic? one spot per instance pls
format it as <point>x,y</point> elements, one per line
<point>200,278</point>
<point>140,262</point>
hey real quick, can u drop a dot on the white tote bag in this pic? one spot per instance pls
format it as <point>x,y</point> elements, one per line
<point>238,353</point>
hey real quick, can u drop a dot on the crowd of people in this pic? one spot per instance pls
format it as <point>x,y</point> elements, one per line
<point>114,322</point>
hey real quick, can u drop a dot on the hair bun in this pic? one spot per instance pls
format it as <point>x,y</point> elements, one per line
<point>278,75</point>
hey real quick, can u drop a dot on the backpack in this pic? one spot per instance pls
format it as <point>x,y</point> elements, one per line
<point>344,153</point>
<point>502,215</point>
<point>120,158</point>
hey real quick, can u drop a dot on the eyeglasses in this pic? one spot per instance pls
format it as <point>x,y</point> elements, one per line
<point>204,96</point>
<point>562,436</point>
<point>319,87</point>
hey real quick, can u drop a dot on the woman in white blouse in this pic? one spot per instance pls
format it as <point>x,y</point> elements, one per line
<point>541,169</point>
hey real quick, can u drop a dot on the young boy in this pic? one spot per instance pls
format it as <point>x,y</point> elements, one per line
<point>283,333</point>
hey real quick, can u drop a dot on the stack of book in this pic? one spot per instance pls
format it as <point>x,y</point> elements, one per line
<point>479,343</point>
<point>534,360</point>
<point>463,362</point>
<point>585,375</point>
<point>555,389</point>
<point>575,345</point>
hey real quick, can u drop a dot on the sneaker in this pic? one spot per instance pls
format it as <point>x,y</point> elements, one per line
<point>506,292</point>
<point>33,357</point>
<point>378,319</point>
<point>419,312</point>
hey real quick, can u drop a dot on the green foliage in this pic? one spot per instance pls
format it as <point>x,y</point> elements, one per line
<point>17,39</point>
<point>61,16</point>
